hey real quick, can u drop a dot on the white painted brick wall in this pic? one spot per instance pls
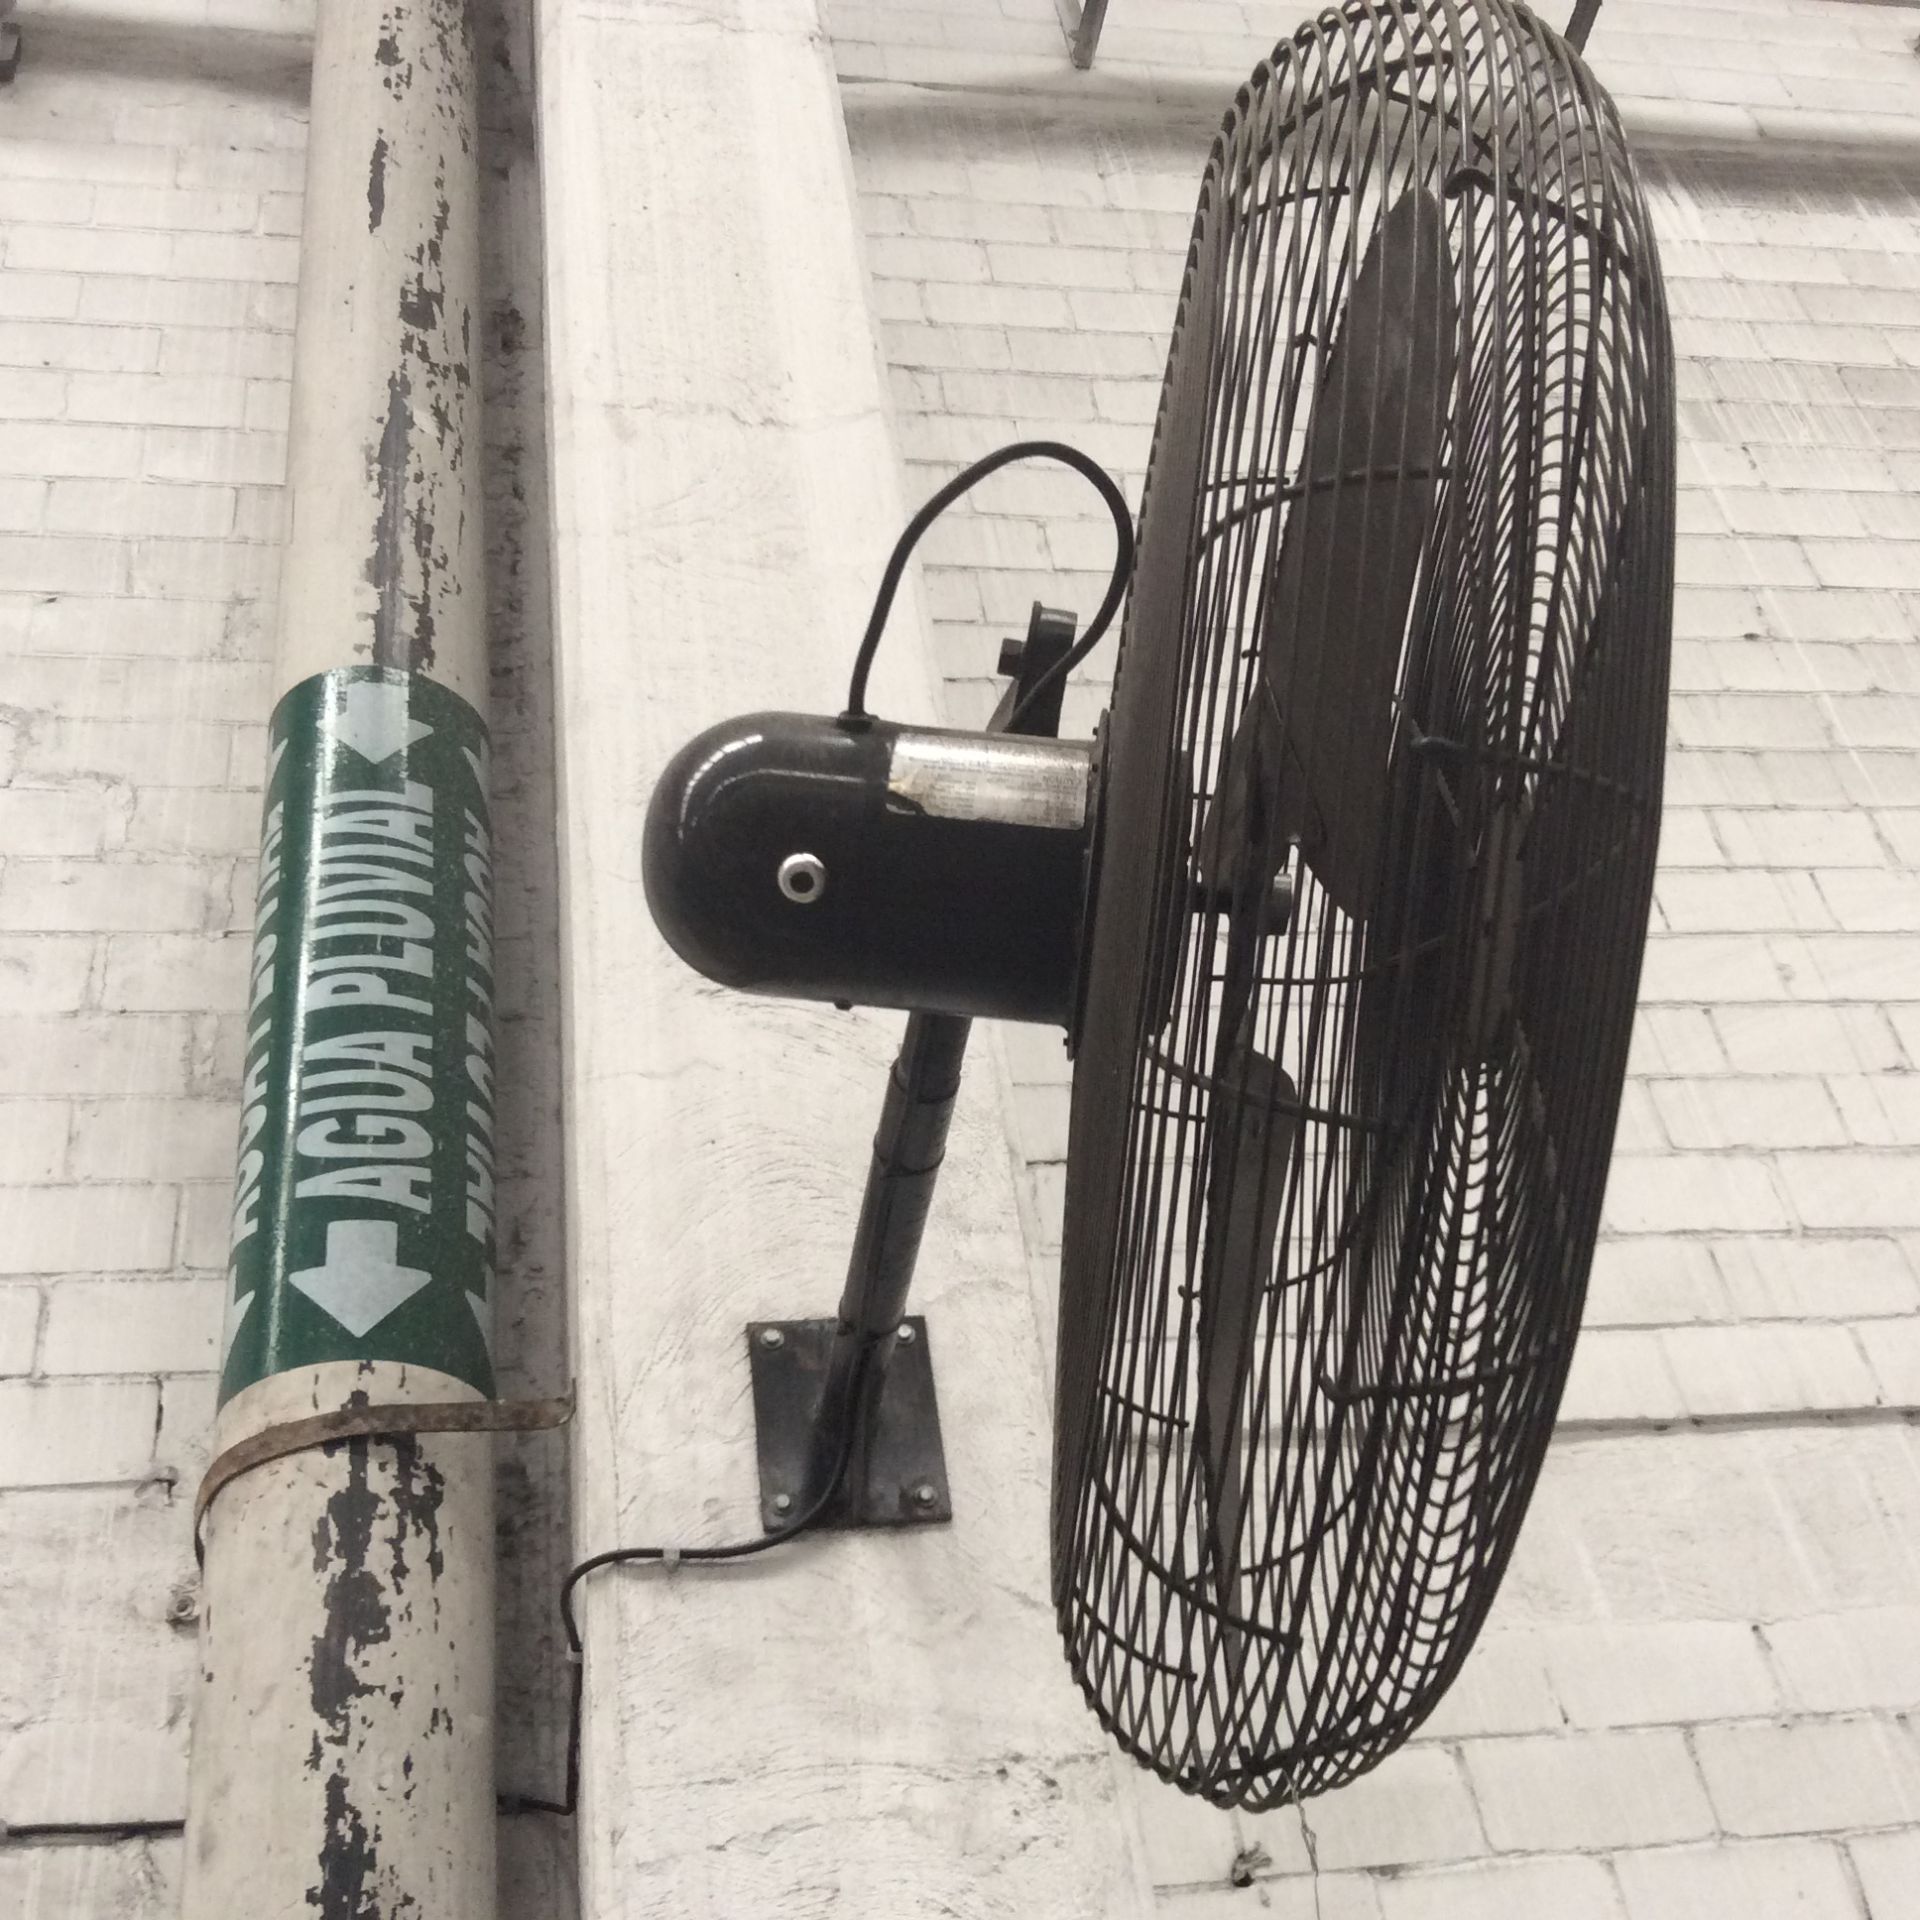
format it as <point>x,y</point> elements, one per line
<point>1695,1622</point>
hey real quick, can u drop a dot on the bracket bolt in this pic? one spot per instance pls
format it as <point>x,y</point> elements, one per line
<point>905,1334</point>
<point>771,1337</point>
<point>782,1503</point>
<point>925,1495</point>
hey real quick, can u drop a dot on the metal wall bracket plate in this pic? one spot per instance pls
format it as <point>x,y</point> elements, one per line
<point>905,1484</point>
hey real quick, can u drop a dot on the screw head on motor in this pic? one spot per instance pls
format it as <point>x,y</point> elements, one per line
<point>803,878</point>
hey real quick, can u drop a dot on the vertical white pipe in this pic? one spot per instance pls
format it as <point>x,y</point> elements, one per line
<point>342,1757</point>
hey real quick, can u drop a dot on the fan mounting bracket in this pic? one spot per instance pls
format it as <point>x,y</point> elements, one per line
<point>902,1479</point>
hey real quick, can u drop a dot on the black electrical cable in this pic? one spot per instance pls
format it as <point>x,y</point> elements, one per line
<point>802,1522</point>
<point>1103,483</point>
<point>111,1832</point>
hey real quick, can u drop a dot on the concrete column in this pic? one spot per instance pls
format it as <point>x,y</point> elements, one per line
<point>343,1749</point>
<point>863,1725</point>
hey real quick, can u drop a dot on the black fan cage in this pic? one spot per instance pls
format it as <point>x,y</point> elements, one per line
<point>1380,809</point>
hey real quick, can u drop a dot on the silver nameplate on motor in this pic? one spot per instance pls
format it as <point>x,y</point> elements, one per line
<point>985,776</point>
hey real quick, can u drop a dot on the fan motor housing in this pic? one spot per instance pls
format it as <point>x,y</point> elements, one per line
<point>861,862</point>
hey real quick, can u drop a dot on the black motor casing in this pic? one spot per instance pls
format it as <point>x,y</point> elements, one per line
<point>951,866</point>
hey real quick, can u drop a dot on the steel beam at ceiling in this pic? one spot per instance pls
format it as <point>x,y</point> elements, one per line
<point>1082,25</point>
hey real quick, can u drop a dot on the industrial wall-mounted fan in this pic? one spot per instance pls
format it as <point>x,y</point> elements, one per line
<point>1342,910</point>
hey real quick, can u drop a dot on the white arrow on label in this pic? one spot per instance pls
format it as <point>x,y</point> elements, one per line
<point>374,720</point>
<point>363,1280</point>
<point>483,1319</point>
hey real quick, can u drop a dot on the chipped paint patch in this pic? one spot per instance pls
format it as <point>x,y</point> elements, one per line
<point>356,1614</point>
<point>377,185</point>
<point>419,1491</point>
<point>364,1604</point>
<point>388,470</point>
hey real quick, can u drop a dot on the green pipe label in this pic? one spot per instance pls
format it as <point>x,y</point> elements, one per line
<point>363,1211</point>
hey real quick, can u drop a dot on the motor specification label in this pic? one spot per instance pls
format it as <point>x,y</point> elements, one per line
<point>363,1210</point>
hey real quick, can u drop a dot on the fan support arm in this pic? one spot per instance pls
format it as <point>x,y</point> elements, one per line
<point>869,1369</point>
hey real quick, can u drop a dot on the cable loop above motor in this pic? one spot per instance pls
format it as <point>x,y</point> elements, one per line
<point>856,714</point>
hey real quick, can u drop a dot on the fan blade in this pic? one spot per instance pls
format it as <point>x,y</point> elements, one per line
<point>1252,1130</point>
<point>1343,581</point>
<point>1248,777</point>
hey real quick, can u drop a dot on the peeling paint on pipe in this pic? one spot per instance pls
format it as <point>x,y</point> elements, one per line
<point>342,1759</point>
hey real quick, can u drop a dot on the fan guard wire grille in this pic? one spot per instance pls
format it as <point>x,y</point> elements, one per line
<point>1435,1039</point>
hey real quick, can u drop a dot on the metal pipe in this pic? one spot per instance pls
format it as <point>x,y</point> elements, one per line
<point>343,1748</point>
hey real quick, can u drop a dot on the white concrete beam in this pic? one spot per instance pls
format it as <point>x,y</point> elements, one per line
<point>290,18</point>
<point>254,44</point>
